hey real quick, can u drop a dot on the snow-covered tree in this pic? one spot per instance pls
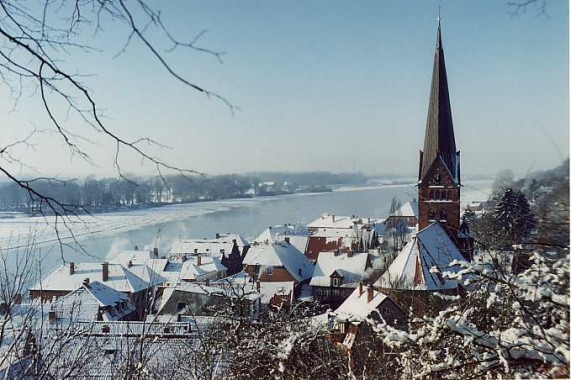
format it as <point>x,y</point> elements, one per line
<point>507,326</point>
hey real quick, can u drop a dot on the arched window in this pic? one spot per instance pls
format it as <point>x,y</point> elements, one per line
<point>443,215</point>
<point>431,214</point>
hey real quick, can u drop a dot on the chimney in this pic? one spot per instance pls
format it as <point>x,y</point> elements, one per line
<point>369,293</point>
<point>286,239</point>
<point>156,252</point>
<point>336,252</point>
<point>136,248</point>
<point>207,282</point>
<point>17,298</point>
<point>217,235</point>
<point>258,285</point>
<point>52,316</point>
<point>234,241</point>
<point>333,218</point>
<point>183,258</point>
<point>105,271</point>
<point>179,317</point>
<point>369,220</point>
<point>350,253</point>
<point>129,264</point>
<point>86,282</point>
<point>99,314</point>
<point>71,268</point>
<point>198,260</point>
<point>360,289</point>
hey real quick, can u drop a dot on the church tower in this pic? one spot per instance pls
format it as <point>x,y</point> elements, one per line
<point>439,167</point>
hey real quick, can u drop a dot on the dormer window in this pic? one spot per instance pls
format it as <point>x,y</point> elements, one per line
<point>257,270</point>
<point>336,282</point>
<point>270,270</point>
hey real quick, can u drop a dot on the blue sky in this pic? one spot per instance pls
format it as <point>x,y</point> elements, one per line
<point>327,85</point>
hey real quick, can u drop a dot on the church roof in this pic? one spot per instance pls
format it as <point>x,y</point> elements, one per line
<point>439,136</point>
<point>430,247</point>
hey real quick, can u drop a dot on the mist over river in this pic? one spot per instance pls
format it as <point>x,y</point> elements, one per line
<point>105,234</point>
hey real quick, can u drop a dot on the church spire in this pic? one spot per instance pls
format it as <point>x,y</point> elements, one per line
<point>439,139</point>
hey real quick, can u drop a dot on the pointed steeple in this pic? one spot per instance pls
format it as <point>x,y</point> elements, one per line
<point>439,137</point>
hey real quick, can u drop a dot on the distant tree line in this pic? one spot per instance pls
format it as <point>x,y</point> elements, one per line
<point>96,195</point>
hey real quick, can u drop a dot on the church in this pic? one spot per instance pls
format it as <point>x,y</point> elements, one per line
<point>442,237</point>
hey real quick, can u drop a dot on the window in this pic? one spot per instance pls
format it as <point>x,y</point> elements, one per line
<point>443,215</point>
<point>335,281</point>
<point>106,329</point>
<point>256,270</point>
<point>431,196</point>
<point>195,250</point>
<point>431,214</point>
<point>269,271</point>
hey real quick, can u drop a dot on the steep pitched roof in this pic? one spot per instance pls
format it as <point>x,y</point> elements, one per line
<point>409,209</point>
<point>431,247</point>
<point>439,136</point>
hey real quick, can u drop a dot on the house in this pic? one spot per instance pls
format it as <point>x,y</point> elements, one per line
<point>362,304</point>
<point>230,248</point>
<point>278,262</point>
<point>194,269</point>
<point>93,301</point>
<point>138,281</point>
<point>194,299</point>
<point>407,213</point>
<point>343,233</point>
<point>336,274</point>
<point>296,234</point>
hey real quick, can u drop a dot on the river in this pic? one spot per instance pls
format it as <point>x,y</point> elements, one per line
<point>106,234</point>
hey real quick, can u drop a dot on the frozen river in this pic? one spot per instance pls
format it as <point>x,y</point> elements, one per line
<point>105,234</point>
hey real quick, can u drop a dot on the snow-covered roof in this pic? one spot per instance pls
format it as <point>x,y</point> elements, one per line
<point>275,232</point>
<point>121,278</point>
<point>84,303</point>
<point>351,268</point>
<point>269,289</point>
<point>280,254</point>
<point>189,270</point>
<point>332,221</point>
<point>409,209</point>
<point>210,247</point>
<point>430,247</point>
<point>297,234</point>
<point>357,308</point>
